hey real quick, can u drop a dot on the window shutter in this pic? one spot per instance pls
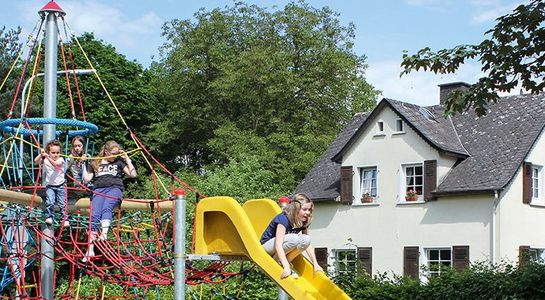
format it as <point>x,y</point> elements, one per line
<point>524,252</point>
<point>346,185</point>
<point>365,256</point>
<point>321,257</point>
<point>460,257</point>
<point>526,182</point>
<point>430,178</point>
<point>410,262</point>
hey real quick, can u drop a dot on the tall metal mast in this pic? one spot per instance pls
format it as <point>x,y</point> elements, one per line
<point>50,12</point>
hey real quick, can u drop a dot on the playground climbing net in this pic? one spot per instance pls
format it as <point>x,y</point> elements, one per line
<point>137,257</point>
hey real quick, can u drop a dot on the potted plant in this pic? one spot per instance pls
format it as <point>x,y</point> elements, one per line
<point>367,198</point>
<point>411,195</point>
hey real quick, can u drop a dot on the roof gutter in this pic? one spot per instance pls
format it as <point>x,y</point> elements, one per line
<point>464,192</point>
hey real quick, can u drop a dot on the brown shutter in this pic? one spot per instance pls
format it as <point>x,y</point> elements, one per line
<point>365,256</point>
<point>524,252</point>
<point>410,262</point>
<point>430,178</point>
<point>321,257</point>
<point>346,185</point>
<point>526,182</point>
<point>460,257</point>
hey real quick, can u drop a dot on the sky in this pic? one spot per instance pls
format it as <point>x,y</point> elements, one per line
<point>384,29</point>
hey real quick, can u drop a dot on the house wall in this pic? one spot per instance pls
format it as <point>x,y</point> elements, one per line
<point>389,225</point>
<point>518,223</point>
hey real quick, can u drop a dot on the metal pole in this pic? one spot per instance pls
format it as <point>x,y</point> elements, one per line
<point>283,202</point>
<point>50,111</point>
<point>50,80</point>
<point>179,245</point>
<point>23,104</point>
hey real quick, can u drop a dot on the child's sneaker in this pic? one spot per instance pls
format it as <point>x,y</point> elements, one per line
<point>294,274</point>
<point>88,255</point>
<point>49,221</point>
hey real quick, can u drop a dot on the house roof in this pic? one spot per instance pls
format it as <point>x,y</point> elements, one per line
<point>322,182</point>
<point>490,149</point>
<point>498,143</point>
<point>428,122</point>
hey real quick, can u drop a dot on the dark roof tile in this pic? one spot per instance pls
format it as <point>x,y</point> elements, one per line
<point>490,148</point>
<point>322,182</point>
<point>432,125</point>
<point>498,143</point>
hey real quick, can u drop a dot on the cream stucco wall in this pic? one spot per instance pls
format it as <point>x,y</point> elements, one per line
<point>518,223</point>
<point>390,225</point>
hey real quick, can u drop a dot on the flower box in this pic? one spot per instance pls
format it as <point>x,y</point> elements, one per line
<point>411,195</point>
<point>368,199</point>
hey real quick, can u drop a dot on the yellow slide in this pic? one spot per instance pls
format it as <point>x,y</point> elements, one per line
<point>226,228</point>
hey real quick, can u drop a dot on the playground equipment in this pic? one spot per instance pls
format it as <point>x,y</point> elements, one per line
<point>147,248</point>
<point>226,228</point>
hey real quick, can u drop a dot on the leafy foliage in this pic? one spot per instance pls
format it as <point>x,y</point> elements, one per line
<point>9,49</point>
<point>481,281</point>
<point>243,180</point>
<point>126,82</point>
<point>270,77</point>
<point>515,53</point>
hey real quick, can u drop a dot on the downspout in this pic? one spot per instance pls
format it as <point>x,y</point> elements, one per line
<point>494,221</point>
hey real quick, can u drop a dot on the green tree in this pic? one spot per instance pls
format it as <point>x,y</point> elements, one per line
<point>515,53</point>
<point>9,49</point>
<point>285,80</point>
<point>242,180</point>
<point>127,83</point>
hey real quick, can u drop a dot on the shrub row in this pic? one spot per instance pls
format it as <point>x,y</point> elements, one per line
<point>479,281</point>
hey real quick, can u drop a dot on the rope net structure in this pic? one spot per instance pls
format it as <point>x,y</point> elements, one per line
<point>136,259</point>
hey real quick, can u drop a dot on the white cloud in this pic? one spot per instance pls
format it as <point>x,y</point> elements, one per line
<point>133,36</point>
<point>417,87</point>
<point>488,14</point>
<point>484,2</point>
<point>111,23</point>
<point>426,2</point>
<point>489,10</point>
<point>484,10</point>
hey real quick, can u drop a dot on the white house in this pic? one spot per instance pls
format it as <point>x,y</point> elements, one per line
<point>479,184</point>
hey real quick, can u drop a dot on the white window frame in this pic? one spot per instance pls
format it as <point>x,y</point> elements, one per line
<point>537,254</point>
<point>361,187</point>
<point>404,185</point>
<point>380,132</point>
<point>402,125</point>
<point>537,185</point>
<point>427,260</point>
<point>351,262</point>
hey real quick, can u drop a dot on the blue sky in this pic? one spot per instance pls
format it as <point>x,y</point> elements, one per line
<point>383,30</point>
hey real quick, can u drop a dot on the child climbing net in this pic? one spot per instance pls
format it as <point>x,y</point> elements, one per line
<point>137,255</point>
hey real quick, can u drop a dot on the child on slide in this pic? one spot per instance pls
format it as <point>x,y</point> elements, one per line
<point>287,235</point>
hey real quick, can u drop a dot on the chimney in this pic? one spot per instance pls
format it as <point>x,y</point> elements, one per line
<point>446,88</point>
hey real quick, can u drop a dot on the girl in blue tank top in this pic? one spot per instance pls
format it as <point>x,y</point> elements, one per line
<point>287,235</point>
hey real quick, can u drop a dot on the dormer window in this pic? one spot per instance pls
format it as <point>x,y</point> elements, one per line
<point>380,128</point>
<point>399,126</point>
